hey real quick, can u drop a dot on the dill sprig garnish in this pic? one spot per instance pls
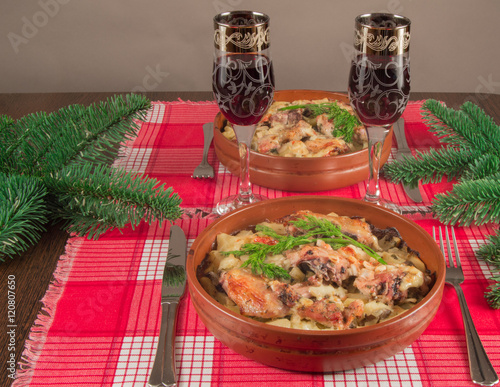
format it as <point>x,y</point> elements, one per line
<point>343,121</point>
<point>324,229</point>
<point>314,228</point>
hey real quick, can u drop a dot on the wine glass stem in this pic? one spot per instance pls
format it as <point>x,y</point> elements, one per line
<point>376,137</point>
<point>244,135</point>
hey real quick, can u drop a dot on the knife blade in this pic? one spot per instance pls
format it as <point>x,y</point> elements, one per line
<point>404,150</point>
<point>172,290</point>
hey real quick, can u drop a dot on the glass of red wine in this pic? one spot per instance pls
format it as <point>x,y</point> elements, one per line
<point>379,84</point>
<point>243,86</point>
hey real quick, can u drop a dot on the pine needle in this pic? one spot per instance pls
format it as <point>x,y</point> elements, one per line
<point>42,143</point>
<point>471,154</point>
<point>470,202</point>
<point>490,252</point>
<point>430,167</point>
<point>22,213</point>
<point>57,164</point>
<point>105,198</point>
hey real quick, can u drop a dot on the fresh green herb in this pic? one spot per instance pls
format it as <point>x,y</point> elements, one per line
<point>343,121</point>
<point>322,228</point>
<point>258,252</point>
<point>314,228</point>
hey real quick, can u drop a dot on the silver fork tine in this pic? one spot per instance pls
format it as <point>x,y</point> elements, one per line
<point>448,248</point>
<point>441,245</point>
<point>205,170</point>
<point>455,246</point>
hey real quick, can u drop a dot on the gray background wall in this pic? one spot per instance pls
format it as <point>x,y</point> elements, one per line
<point>153,45</point>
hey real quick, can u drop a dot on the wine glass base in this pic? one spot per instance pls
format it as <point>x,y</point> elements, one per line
<point>234,202</point>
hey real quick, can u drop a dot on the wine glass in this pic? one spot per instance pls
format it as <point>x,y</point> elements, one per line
<point>379,84</point>
<point>243,86</point>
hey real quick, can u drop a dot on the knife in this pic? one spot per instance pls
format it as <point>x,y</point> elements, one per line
<point>172,290</point>
<point>404,150</point>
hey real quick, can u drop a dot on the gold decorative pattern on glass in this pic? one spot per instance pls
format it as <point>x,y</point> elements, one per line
<point>235,33</point>
<point>376,35</point>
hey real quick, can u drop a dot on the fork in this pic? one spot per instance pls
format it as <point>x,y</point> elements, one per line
<point>481,370</point>
<point>205,170</point>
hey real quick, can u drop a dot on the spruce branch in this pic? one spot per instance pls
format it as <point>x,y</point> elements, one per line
<point>470,202</point>
<point>55,166</point>
<point>490,252</point>
<point>430,167</point>
<point>42,143</point>
<point>105,198</point>
<point>467,128</point>
<point>22,213</point>
<point>5,122</point>
<point>493,295</point>
<point>471,155</point>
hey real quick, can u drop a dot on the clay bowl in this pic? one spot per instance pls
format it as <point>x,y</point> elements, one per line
<point>296,173</point>
<point>315,351</point>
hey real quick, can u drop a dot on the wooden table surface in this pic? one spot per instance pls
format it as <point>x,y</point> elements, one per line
<point>33,269</point>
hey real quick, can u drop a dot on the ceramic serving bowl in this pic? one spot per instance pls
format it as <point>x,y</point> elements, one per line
<point>297,173</point>
<point>315,351</point>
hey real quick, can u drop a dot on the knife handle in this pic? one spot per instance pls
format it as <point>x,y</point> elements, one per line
<point>163,372</point>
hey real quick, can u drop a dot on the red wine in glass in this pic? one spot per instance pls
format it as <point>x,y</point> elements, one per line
<point>379,88</point>
<point>243,86</point>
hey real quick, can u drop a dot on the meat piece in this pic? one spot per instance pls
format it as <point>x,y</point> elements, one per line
<point>278,118</point>
<point>330,314</point>
<point>294,116</point>
<point>299,131</point>
<point>327,147</point>
<point>331,266</point>
<point>324,125</point>
<point>268,143</point>
<point>323,312</point>
<point>355,310</point>
<point>252,294</point>
<point>360,135</point>
<point>382,284</point>
<point>286,117</point>
<point>287,294</point>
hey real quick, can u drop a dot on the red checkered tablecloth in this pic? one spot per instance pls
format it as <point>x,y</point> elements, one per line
<point>100,320</point>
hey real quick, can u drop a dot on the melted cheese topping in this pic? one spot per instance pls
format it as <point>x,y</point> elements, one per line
<point>329,287</point>
<point>290,134</point>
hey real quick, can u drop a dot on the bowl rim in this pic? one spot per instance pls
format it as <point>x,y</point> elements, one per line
<point>434,292</point>
<point>219,118</point>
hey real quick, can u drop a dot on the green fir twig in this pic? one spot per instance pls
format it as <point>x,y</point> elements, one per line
<point>470,155</point>
<point>22,213</point>
<point>57,166</point>
<point>490,252</point>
